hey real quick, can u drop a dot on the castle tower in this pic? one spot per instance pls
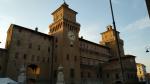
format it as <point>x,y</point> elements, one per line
<point>65,30</point>
<point>108,39</point>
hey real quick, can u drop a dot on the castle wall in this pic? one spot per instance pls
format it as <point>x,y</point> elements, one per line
<point>92,55</point>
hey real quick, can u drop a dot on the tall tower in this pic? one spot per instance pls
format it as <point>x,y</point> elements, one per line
<point>65,30</point>
<point>108,39</point>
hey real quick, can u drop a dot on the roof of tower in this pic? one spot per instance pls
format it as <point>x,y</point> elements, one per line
<point>109,28</point>
<point>140,64</point>
<point>64,5</point>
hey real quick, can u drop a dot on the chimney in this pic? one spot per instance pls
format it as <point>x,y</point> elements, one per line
<point>36,29</point>
<point>109,27</point>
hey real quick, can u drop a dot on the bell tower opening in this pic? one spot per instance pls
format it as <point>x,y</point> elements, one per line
<point>64,18</point>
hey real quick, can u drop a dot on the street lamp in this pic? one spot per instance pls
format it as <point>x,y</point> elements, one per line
<point>117,42</point>
<point>147,49</point>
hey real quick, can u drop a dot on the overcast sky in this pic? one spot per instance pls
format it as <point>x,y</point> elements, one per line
<point>131,17</point>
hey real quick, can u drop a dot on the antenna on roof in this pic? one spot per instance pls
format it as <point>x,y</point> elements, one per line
<point>64,1</point>
<point>36,29</point>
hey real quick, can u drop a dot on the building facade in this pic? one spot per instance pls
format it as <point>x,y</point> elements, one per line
<point>3,60</point>
<point>148,78</point>
<point>83,61</point>
<point>141,72</point>
<point>31,49</point>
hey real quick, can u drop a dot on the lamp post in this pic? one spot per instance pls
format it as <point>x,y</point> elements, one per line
<point>147,49</point>
<point>117,42</point>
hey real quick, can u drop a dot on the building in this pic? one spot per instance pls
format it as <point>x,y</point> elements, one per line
<point>3,56</point>
<point>83,61</point>
<point>148,78</point>
<point>141,72</point>
<point>112,73</point>
<point>148,6</point>
<point>30,48</point>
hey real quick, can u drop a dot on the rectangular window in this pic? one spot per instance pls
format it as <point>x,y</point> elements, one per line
<point>75,58</point>
<point>67,57</point>
<point>43,59</point>
<point>55,58</point>
<point>44,38</point>
<point>55,73</point>
<point>72,73</point>
<point>107,75</point>
<point>38,58</point>
<point>39,47</point>
<point>56,40</point>
<point>71,45</point>
<point>117,76</point>
<point>16,55</point>
<point>20,30</point>
<point>24,56</point>
<point>48,49</point>
<point>33,57</point>
<point>128,76</point>
<point>81,74</point>
<point>48,60</point>
<point>89,74</point>
<point>30,45</point>
<point>55,46</point>
<point>18,43</point>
